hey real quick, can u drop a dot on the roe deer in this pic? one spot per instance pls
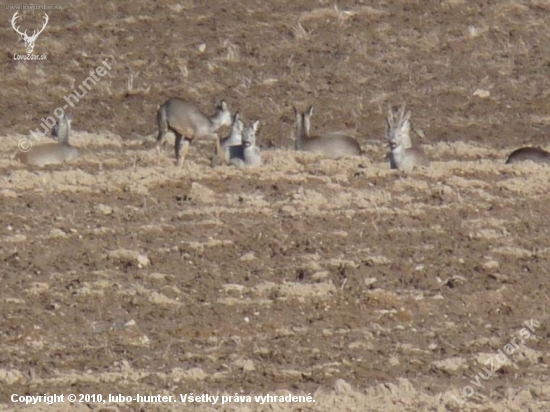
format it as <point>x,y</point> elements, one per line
<point>251,155</point>
<point>188,122</point>
<point>403,155</point>
<point>52,153</point>
<point>535,154</point>
<point>232,145</point>
<point>333,145</point>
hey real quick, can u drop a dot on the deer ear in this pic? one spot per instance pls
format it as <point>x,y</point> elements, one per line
<point>223,105</point>
<point>255,125</point>
<point>309,111</point>
<point>237,116</point>
<point>298,115</point>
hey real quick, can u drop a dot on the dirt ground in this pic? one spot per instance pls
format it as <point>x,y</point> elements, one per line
<point>367,288</point>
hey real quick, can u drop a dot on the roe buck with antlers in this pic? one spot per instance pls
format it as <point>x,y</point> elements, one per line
<point>29,40</point>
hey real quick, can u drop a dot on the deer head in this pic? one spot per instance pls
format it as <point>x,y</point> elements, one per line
<point>29,40</point>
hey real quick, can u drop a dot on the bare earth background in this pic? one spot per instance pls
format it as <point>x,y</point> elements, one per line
<point>368,288</point>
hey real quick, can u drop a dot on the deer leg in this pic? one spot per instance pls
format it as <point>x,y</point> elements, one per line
<point>184,149</point>
<point>161,140</point>
<point>178,143</point>
<point>216,138</point>
<point>218,146</point>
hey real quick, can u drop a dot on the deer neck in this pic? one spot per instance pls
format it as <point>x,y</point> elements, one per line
<point>216,121</point>
<point>300,133</point>
<point>63,133</point>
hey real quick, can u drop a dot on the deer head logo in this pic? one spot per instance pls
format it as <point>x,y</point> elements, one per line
<point>29,40</point>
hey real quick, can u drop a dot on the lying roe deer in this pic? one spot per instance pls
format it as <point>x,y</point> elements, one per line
<point>251,155</point>
<point>52,153</point>
<point>403,155</point>
<point>535,154</point>
<point>232,145</point>
<point>187,122</point>
<point>333,145</point>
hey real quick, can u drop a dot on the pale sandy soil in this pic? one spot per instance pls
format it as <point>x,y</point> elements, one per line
<point>343,279</point>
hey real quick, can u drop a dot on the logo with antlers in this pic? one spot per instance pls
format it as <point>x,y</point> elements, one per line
<point>29,40</point>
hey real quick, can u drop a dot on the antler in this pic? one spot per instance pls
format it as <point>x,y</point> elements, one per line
<point>15,17</point>
<point>403,116</point>
<point>401,112</point>
<point>35,34</point>
<point>390,118</point>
